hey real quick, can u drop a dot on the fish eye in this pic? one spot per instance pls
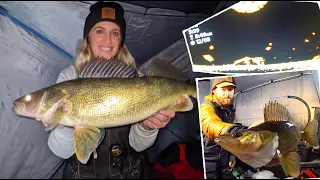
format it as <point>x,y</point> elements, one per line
<point>236,135</point>
<point>27,98</point>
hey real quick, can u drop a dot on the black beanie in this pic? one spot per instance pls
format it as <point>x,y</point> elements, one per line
<point>105,11</point>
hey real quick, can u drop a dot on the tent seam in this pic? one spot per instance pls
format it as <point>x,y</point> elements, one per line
<point>25,27</point>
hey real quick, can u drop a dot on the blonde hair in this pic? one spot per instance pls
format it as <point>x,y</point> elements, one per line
<point>84,55</point>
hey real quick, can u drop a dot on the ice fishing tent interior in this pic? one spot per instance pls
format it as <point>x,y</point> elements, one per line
<point>297,91</point>
<point>39,39</point>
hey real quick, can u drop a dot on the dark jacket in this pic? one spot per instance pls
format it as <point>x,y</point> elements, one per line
<point>134,164</point>
<point>216,120</point>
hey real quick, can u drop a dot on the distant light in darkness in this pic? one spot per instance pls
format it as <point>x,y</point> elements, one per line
<point>249,6</point>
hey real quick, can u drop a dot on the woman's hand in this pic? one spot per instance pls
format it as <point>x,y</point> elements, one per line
<point>159,120</point>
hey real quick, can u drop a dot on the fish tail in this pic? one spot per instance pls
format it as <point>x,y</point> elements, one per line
<point>310,133</point>
<point>274,111</point>
<point>193,90</point>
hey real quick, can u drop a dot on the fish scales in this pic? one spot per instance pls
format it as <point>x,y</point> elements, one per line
<point>105,94</point>
<point>277,132</point>
<point>117,99</point>
<point>289,135</point>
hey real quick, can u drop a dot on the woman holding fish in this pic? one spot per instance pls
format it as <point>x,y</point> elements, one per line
<point>117,155</point>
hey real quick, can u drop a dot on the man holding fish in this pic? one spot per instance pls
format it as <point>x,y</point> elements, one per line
<point>217,117</point>
<point>273,140</point>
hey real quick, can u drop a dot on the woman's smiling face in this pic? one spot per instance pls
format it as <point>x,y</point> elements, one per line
<point>105,39</point>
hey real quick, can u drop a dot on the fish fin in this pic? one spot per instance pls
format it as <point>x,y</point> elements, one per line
<point>261,157</point>
<point>181,104</point>
<point>161,68</point>
<point>107,68</point>
<point>57,117</point>
<point>273,111</point>
<point>310,133</point>
<point>86,140</point>
<point>290,163</point>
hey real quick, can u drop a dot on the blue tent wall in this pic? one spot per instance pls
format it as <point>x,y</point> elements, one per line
<point>27,63</point>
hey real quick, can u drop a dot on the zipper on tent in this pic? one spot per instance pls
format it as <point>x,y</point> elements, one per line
<point>25,27</point>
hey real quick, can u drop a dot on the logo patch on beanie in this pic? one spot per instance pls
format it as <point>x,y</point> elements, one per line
<point>108,12</point>
<point>229,79</point>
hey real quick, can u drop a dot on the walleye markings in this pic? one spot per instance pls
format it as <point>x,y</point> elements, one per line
<point>106,100</point>
<point>277,123</point>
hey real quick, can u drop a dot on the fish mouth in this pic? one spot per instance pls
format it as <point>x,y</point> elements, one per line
<point>17,108</point>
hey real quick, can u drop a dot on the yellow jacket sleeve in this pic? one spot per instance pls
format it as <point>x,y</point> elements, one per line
<point>212,124</point>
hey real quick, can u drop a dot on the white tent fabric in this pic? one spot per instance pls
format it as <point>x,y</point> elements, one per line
<point>27,64</point>
<point>254,91</point>
<point>249,104</point>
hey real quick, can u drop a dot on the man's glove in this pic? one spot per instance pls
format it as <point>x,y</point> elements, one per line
<point>263,156</point>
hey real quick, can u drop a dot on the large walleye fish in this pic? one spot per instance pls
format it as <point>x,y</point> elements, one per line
<point>91,101</point>
<point>276,126</point>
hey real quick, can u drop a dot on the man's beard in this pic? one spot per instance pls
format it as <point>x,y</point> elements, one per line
<point>225,101</point>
